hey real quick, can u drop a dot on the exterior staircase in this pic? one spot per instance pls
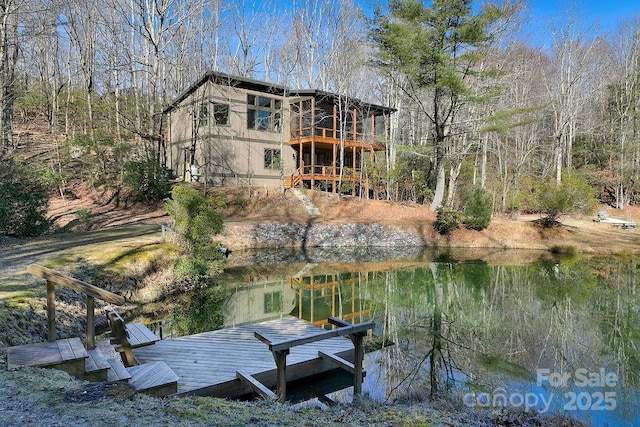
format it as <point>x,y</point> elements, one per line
<point>294,179</point>
<point>90,363</point>
<point>71,356</point>
<point>308,204</point>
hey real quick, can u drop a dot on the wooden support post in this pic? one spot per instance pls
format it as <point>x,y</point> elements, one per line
<point>358,358</point>
<point>51,311</point>
<point>373,129</point>
<point>358,353</point>
<point>300,149</point>
<point>339,137</point>
<point>281,373</point>
<point>91,328</point>
<point>280,350</point>
<point>312,156</point>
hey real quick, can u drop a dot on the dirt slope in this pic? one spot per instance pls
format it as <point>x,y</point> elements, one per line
<point>249,206</point>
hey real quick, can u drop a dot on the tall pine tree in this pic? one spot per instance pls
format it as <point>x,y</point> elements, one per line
<point>435,48</point>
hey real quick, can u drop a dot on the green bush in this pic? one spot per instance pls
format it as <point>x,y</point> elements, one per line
<point>147,178</point>
<point>83,215</point>
<point>447,220</point>
<point>190,270</point>
<point>94,155</point>
<point>195,217</point>
<point>22,212</point>
<point>571,195</point>
<point>196,220</point>
<point>477,213</point>
<point>202,312</point>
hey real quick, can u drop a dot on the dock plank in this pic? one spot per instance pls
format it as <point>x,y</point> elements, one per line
<point>207,363</point>
<point>140,335</point>
<point>45,354</point>
<point>154,378</point>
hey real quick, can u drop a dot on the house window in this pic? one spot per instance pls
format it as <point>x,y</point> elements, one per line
<point>203,116</point>
<point>220,114</point>
<point>264,113</point>
<point>273,302</point>
<point>271,158</point>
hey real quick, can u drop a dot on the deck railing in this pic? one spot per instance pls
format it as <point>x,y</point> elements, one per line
<point>336,134</point>
<point>320,173</point>
<point>92,292</point>
<point>280,350</point>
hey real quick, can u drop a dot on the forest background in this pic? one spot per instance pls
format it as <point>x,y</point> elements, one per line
<point>85,83</point>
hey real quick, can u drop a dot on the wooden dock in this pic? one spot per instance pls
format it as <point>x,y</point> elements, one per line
<point>207,364</point>
<point>251,359</point>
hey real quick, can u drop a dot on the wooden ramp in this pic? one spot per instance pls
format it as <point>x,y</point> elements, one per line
<point>208,363</point>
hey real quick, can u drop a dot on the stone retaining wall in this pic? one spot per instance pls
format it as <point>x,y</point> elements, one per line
<point>276,235</point>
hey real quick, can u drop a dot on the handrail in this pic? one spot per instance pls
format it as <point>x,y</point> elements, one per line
<point>92,292</point>
<point>328,170</point>
<point>329,133</point>
<point>75,284</point>
<point>280,349</point>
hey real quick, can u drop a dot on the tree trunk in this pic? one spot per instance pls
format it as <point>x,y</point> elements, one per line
<point>438,195</point>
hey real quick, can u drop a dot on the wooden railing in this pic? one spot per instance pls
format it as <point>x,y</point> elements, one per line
<point>327,170</point>
<point>280,350</point>
<point>336,134</point>
<point>92,292</point>
<point>320,172</point>
<point>293,179</point>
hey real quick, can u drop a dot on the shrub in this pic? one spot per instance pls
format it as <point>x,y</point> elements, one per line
<point>195,217</point>
<point>196,220</point>
<point>147,178</point>
<point>22,212</point>
<point>83,215</point>
<point>478,210</point>
<point>447,220</point>
<point>571,195</point>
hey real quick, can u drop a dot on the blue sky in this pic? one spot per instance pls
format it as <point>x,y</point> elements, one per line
<point>601,16</point>
<point>608,14</point>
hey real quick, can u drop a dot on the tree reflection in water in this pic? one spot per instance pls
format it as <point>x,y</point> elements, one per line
<point>463,325</point>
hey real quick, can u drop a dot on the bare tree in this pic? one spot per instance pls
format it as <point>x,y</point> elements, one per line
<point>567,81</point>
<point>9,46</point>
<point>623,92</point>
<point>81,26</point>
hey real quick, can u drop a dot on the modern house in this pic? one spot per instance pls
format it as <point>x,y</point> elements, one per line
<point>229,130</point>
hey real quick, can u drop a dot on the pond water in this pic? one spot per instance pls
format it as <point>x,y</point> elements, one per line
<point>492,328</point>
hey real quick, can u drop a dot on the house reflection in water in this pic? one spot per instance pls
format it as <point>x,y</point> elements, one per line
<point>338,295</point>
<point>312,297</point>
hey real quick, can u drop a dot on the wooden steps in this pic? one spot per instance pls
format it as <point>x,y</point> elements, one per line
<point>68,355</point>
<point>96,366</point>
<point>117,373</point>
<point>153,378</point>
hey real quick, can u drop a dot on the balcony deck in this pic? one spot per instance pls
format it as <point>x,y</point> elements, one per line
<point>318,135</point>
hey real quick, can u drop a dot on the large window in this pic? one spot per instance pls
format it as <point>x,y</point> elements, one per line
<point>271,158</point>
<point>264,113</point>
<point>203,115</point>
<point>220,114</point>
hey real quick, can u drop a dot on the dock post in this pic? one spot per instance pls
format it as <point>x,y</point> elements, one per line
<point>51,311</point>
<point>358,358</point>
<point>280,357</point>
<point>91,328</point>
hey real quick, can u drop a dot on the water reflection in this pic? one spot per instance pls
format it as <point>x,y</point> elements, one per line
<point>490,329</point>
